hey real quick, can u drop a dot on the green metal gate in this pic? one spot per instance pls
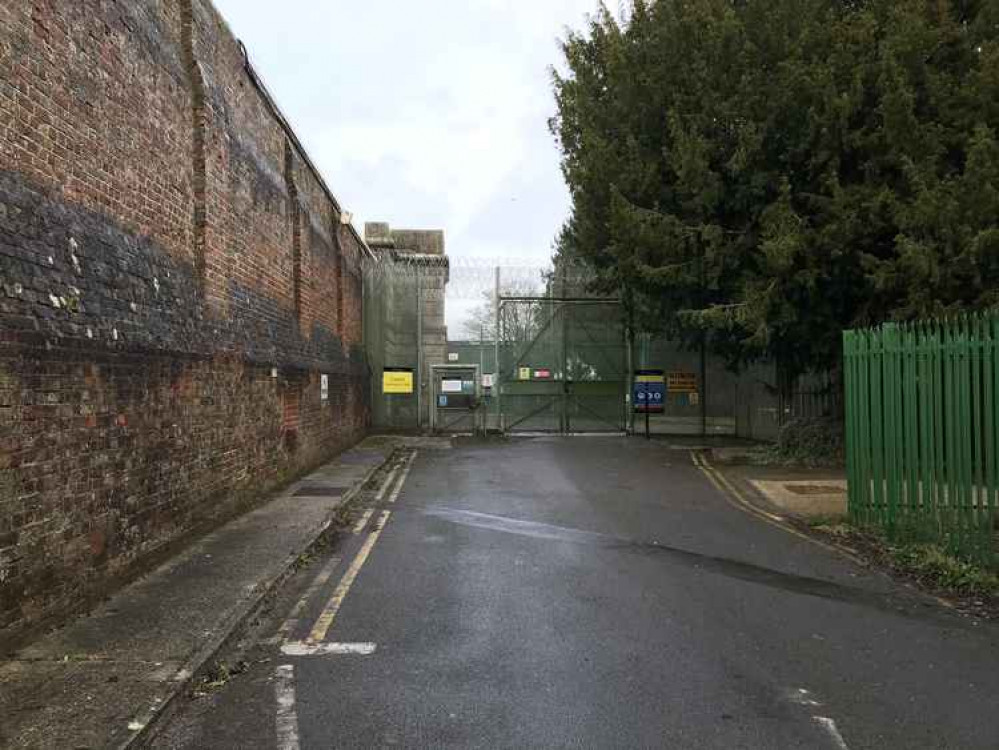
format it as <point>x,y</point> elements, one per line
<point>563,365</point>
<point>923,430</point>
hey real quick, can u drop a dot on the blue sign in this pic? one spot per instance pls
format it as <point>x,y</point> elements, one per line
<point>649,395</point>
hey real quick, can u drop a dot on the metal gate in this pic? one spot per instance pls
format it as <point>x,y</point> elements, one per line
<point>563,365</point>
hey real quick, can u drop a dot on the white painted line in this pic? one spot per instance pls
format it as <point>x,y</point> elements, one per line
<point>318,582</point>
<point>287,718</point>
<point>298,648</point>
<point>322,626</point>
<point>385,485</point>
<point>830,726</point>
<point>803,697</point>
<point>363,521</point>
<point>402,479</point>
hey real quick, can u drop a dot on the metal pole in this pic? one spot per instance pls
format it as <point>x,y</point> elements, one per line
<point>497,375</point>
<point>648,434</point>
<point>419,348</point>
<point>482,369</point>
<point>565,359</point>
<point>704,387</point>
<point>629,385</point>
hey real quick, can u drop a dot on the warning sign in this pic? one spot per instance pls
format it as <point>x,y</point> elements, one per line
<point>397,381</point>
<point>681,382</point>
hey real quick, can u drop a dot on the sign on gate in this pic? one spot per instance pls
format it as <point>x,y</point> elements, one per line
<point>683,382</point>
<point>650,392</point>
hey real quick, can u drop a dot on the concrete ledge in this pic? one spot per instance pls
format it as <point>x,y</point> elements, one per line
<point>799,492</point>
<point>806,498</point>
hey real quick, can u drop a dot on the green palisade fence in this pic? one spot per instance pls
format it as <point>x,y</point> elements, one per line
<point>922,424</point>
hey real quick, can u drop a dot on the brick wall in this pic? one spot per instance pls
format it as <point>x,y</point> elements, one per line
<point>174,279</point>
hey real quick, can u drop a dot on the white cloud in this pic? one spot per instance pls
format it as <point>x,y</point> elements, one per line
<point>428,114</point>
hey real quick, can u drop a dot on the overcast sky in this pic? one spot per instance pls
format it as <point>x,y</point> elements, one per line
<point>427,114</point>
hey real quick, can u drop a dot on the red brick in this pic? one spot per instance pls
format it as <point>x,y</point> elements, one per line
<point>143,405</point>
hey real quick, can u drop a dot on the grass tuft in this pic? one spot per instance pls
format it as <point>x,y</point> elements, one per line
<point>933,565</point>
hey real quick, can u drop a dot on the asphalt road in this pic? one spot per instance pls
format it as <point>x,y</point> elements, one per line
<point>597,593</point>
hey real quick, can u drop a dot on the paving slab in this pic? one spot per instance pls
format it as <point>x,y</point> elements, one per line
<point>797,491</point>
<point>807,498</point>
<point>103,679</point>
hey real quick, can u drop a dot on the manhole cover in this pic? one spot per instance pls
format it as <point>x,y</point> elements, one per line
<point>814,489</point>
<point>318,490</point>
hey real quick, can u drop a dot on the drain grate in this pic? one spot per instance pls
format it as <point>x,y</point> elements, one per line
<point>318,490</point>
<point>814,489</point>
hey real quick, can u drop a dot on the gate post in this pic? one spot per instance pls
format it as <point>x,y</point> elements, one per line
<point>498,377</point>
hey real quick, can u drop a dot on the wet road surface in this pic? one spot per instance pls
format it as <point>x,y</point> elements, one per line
<point>591,593</point>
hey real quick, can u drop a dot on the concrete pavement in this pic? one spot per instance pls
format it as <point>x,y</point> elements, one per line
<point>102,680</point>
<point>596,592</point>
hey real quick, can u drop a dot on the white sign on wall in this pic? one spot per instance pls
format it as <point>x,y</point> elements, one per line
<point>450,386</point>
<point>324,388</point>
<point>452,357</point>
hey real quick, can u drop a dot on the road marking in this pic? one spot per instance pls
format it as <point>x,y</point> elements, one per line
<point>803,698</point>
<point>723,484</point>
<point>298,648</point>
<point>318,582</point>
<point>402,479</point>
<point>388,481</point>
<point>329,612</point>
<point>830,726</point>
<point>736,500</point>
<point>287,718</point>
<point>359,526</point>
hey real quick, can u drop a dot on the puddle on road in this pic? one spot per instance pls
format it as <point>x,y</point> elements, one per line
<point>902,603</point>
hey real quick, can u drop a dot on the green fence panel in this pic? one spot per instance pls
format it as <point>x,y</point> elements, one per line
<point>922,430</point>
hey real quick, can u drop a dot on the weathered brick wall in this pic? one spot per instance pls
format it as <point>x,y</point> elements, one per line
<point>174,280</point>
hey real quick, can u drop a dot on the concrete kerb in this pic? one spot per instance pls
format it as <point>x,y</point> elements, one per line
<point>196,666</point>
<point>753,503</point>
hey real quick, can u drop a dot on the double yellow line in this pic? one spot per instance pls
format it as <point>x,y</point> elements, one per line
<point>737,500</point>
<point>314,641</point>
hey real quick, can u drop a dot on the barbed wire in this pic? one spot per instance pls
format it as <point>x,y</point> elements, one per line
<point>466,277</point>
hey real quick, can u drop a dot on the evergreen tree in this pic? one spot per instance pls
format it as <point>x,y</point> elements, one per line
<point>762,174</point>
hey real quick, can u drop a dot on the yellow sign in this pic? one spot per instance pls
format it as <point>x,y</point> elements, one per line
<point>525,373</point>
<point>397,382</point>
<point>681,382</point>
